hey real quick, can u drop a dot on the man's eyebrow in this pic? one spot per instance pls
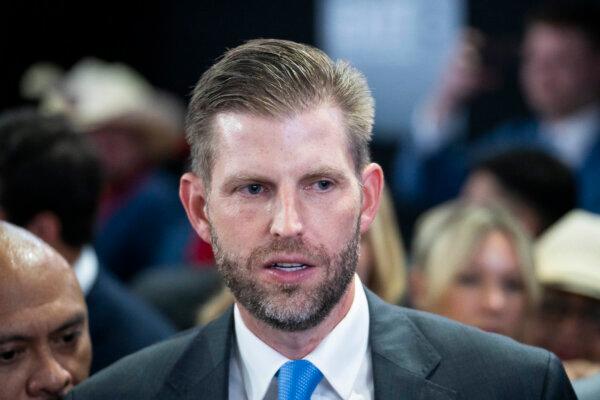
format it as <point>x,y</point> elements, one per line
<point>324,173</point>
<point>314,174</point>
<point>14,338</point>
<point>75,320</point>
<point>246,178</point>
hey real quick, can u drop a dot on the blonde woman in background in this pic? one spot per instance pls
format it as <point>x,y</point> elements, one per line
<point>381,264</point>
<point>474,264</point>
<point>382,260</point>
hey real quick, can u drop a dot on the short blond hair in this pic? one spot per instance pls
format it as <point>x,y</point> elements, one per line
<point>447,236</point>
<point>275,78</point>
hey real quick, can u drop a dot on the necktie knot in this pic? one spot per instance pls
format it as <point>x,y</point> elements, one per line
<point>297,379</point>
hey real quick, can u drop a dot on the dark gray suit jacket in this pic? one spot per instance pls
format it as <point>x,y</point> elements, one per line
<point>415,355</point>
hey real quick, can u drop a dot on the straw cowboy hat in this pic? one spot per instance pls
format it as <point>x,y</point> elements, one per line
<point>568,254</point>
<point>97,95</point>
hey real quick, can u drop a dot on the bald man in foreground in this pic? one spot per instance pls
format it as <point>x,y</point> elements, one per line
<point>45,346</point>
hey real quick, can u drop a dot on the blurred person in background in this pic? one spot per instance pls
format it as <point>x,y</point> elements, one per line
<point>51,184</point>
<point>44,342</point>
<point>560,78</point>
<point>382,259</point>
<point>537,188</point>
<point>177,294</point>
<point>473,263</point>
<point>135,129</point>
<point>381,264</point>
<point>568,267</point>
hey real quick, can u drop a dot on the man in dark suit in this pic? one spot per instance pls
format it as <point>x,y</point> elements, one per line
<point>51,184</point>
<point>560,81</point>
<point>282,187</point>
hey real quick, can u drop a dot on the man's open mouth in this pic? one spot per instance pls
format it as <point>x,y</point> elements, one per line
<point>289,267</point>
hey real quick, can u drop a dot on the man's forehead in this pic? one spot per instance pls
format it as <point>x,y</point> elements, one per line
<point>296,147</point>
<point>42,319</point>
<point>21,252</point>
<point>548,31</point>
<point>32,274</point>
<point>230,124</point>
<point>30,264</point>
<point>31,288</point>
<point>319,132</point>
<point>20,249</point>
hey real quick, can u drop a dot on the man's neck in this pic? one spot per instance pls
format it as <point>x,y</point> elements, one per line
<point>296,345</point>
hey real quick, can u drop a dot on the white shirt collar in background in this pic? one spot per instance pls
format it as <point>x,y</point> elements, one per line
<point>573,137</point>
<point>86,269</point>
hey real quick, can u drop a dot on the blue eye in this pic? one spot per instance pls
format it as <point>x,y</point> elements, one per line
<point>323,185</point>
<point>254,188</point>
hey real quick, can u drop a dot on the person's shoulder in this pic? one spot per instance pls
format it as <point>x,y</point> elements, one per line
<point>517,126</point>
<point>453,339</point>
<point>512,132</point>
<point>471,362</point>
<point>139,375</point>
<point>508,135</point>
<point>148,372</point>
<point>120,323</point>
<point>113,301</point>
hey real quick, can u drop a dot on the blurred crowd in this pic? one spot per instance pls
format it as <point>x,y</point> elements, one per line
<point>504,227</point>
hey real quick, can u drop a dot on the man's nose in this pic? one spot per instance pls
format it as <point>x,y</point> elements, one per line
<point>49,379</point>
<point>287,220</point>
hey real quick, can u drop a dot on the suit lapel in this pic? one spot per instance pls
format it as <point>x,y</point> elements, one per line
<point>402,357</point>
<point>202,372</point>
<point>402,360</point>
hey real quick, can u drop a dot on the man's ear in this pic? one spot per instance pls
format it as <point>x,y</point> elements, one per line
<point>192,193</point>
<point>47,227</point>
<point>372,186</point>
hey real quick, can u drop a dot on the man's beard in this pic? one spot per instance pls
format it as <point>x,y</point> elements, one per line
<point>288,307</point>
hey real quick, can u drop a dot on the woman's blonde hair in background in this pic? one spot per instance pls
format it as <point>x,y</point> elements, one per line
<point>447,237</point>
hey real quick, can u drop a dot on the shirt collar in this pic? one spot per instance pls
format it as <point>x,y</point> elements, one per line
<point>580,120</point>
<point>340,355</point>
<point>572,136</point>
<point>86,269</point>
<point>340,367</point>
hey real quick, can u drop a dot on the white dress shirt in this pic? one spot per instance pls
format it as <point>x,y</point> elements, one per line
<point>573,137</point>
<point>86,269</point>
<point>343,357</point>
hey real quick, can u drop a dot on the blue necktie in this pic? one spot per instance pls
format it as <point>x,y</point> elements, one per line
<point>297,380</point>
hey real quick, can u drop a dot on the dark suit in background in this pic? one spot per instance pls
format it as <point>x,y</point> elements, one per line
<point>120,323</point>
<point>414,356</point>
<point>439,177</point>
